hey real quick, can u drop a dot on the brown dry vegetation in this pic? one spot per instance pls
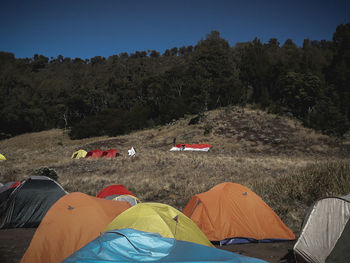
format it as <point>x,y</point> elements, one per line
<point>274,156</point>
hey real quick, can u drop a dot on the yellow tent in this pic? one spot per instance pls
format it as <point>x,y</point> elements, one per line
<point>79,154</point>
<point>2,158</point>
<point>162,219</point>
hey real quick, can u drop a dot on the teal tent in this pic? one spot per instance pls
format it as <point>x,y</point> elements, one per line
<point>129,245</point>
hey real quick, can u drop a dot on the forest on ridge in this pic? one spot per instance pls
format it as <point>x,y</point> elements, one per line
<point>126,92</point>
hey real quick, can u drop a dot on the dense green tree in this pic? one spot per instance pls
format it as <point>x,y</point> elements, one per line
<point>214,74</point>
<point>326,117</point>
<point>154,54</point>
<point>339,71</point>
<point>167,53</point>
<point>100,96</point>
<point>299,92</point>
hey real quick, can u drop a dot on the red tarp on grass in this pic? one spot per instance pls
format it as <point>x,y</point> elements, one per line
<point>192,147</point>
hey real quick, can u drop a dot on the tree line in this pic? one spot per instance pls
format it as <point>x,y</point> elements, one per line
<point>126,92</point>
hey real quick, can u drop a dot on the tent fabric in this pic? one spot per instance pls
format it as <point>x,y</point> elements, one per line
<point>341,251</point>
<point>94,154</point>
<point>15,184</point>
<point>5,192</point>
<point>132,200</point>
<point>232,241</point>
<point>79,154</point>
<point>230,210</point>
<point>28,203</point>
<point>71,223</point>
<point>332,215</point>
<point>162,219</point>
<point>2,158</point>
<point>111,153</point>
<point>116,189</point>
<point>9,185</point>
<point>129,245</point>
<point>346,197</point>
<point>192,147</point>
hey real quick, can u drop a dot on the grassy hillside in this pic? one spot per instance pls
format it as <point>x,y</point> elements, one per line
<point>287,165</point>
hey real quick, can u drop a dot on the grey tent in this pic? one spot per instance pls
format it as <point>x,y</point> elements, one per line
<point>4,187</point>
<point>325,235</point>
<point>5,192</point>
<point>27,204</point>
<point>132,200</point>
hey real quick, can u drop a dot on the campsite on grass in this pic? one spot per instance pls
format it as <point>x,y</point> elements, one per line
<point>140,198</point>
<point>175,131</point>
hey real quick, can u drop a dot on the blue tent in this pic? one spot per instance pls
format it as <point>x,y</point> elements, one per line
<point>129,245</point>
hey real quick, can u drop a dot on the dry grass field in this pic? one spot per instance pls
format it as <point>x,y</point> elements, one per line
<point>285,163</point>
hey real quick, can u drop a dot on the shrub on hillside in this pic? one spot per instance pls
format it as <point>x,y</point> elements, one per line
<point>111,122</point>
<point>89,127</point>
<point>291,196</point>
<point>46,171</point>
<point>326,117</point>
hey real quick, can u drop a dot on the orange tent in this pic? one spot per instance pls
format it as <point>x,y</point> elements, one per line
<point>71,223</point>
<point>229,211</point>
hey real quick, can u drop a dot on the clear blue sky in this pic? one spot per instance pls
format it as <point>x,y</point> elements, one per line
<point>88,28</point>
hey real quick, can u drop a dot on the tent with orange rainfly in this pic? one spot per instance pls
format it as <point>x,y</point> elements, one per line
<point>231,213</point>
<point>71,223</point>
